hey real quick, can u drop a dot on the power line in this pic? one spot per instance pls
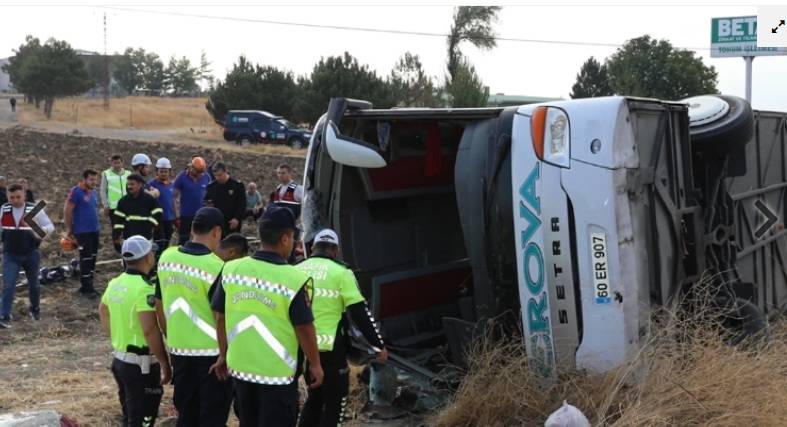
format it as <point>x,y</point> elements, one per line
<point>370,30</point>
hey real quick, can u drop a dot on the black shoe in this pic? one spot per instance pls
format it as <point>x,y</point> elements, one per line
<point>35,315</point>
<point>5,322</point>
<point>89,294</point>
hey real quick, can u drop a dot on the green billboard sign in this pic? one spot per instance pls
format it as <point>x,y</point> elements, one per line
<point>737,36</point>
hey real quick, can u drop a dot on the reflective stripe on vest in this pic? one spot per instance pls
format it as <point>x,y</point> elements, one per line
<point>262,344</point>
<point>255,322</point>
<point>9,222</point>
<point>116,186</point>
<point>180,304</point>
<point>326,340</point>
<point>260,284</point>
<point>252,378</point>
<point>185,282</point>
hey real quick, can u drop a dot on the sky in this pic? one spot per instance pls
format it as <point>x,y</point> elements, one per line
<point>514,68</point>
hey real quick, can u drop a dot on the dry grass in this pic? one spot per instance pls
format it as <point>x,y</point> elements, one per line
<point>134,112</point>
<point>177,119</point>
<point>685,375</point>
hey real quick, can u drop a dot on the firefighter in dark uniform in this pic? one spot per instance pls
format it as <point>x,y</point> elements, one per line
<point>127,311</point>
<point>137,213</point>
<point>263,319</point>
<point>335,292</point>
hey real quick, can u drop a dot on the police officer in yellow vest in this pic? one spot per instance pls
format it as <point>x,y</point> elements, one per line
<point>113,187</point>
<point>263,315</point>
<point>335,292</point>
<point>187,278</point>
<point>140,365</point>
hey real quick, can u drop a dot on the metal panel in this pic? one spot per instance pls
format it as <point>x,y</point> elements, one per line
<point>762,261</point>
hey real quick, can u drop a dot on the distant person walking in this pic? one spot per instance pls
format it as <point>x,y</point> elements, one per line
<point>20,251</point>
<point>113,188</point>
<point>229,196</point>
<point>165,187</point>
<point>189,189</point>
<point>13,104</point>
<point>81,219</point>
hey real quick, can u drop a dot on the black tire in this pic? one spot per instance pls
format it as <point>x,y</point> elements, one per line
<point>296,143</point>
<point>244,141</point>
<point>734,130</point>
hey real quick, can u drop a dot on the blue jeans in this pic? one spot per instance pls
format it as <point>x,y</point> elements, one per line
<point>12,264</point>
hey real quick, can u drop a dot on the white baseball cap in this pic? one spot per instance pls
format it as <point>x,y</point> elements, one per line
<point>140,159</point>
<point>136,247</point>
<point>163,163</point>
<point>327,236</point>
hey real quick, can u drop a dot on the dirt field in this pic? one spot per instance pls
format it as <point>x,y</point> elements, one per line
<point>61,362</point>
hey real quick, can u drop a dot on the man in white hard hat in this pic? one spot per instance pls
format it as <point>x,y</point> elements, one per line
<point>141,165</point>
<point>164,185</point>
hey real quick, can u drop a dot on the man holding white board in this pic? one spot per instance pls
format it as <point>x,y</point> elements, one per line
<point>24,225</point>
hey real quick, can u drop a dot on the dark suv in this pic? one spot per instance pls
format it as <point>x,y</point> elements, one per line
<point>260,127</point>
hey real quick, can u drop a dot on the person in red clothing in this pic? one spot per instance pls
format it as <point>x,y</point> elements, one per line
<point>288,193</point>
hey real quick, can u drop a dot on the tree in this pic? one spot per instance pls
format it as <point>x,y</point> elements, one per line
<point>472,24</point>
<point>181,76</point>
<point>253,87</point>
<point>204,74</point>
<point>592,80</point>
<point>52,71</point>
<point>343,76</point>
<point>154,79</point>
<point>129,69</point>
<point>654,68</point>
<point>21,82</point>
<point>410,85</point>
<point>466,90</point>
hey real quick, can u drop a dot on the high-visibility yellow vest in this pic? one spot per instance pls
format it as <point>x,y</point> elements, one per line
<point>126,296</point>
<point>116,186</point>
<point>262,345</point>
<point>335,288</point>
<point>185,282</point>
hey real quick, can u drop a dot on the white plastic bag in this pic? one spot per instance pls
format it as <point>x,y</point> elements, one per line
<point>567,416</point>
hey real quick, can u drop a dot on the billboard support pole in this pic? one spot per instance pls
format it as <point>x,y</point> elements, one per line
<point>749,60</point>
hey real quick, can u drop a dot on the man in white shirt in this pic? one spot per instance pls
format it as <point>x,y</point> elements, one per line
<point>20,251</point>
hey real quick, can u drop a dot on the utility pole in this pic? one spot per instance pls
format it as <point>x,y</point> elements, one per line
<point>106,67</point>
<point>749,60</point>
